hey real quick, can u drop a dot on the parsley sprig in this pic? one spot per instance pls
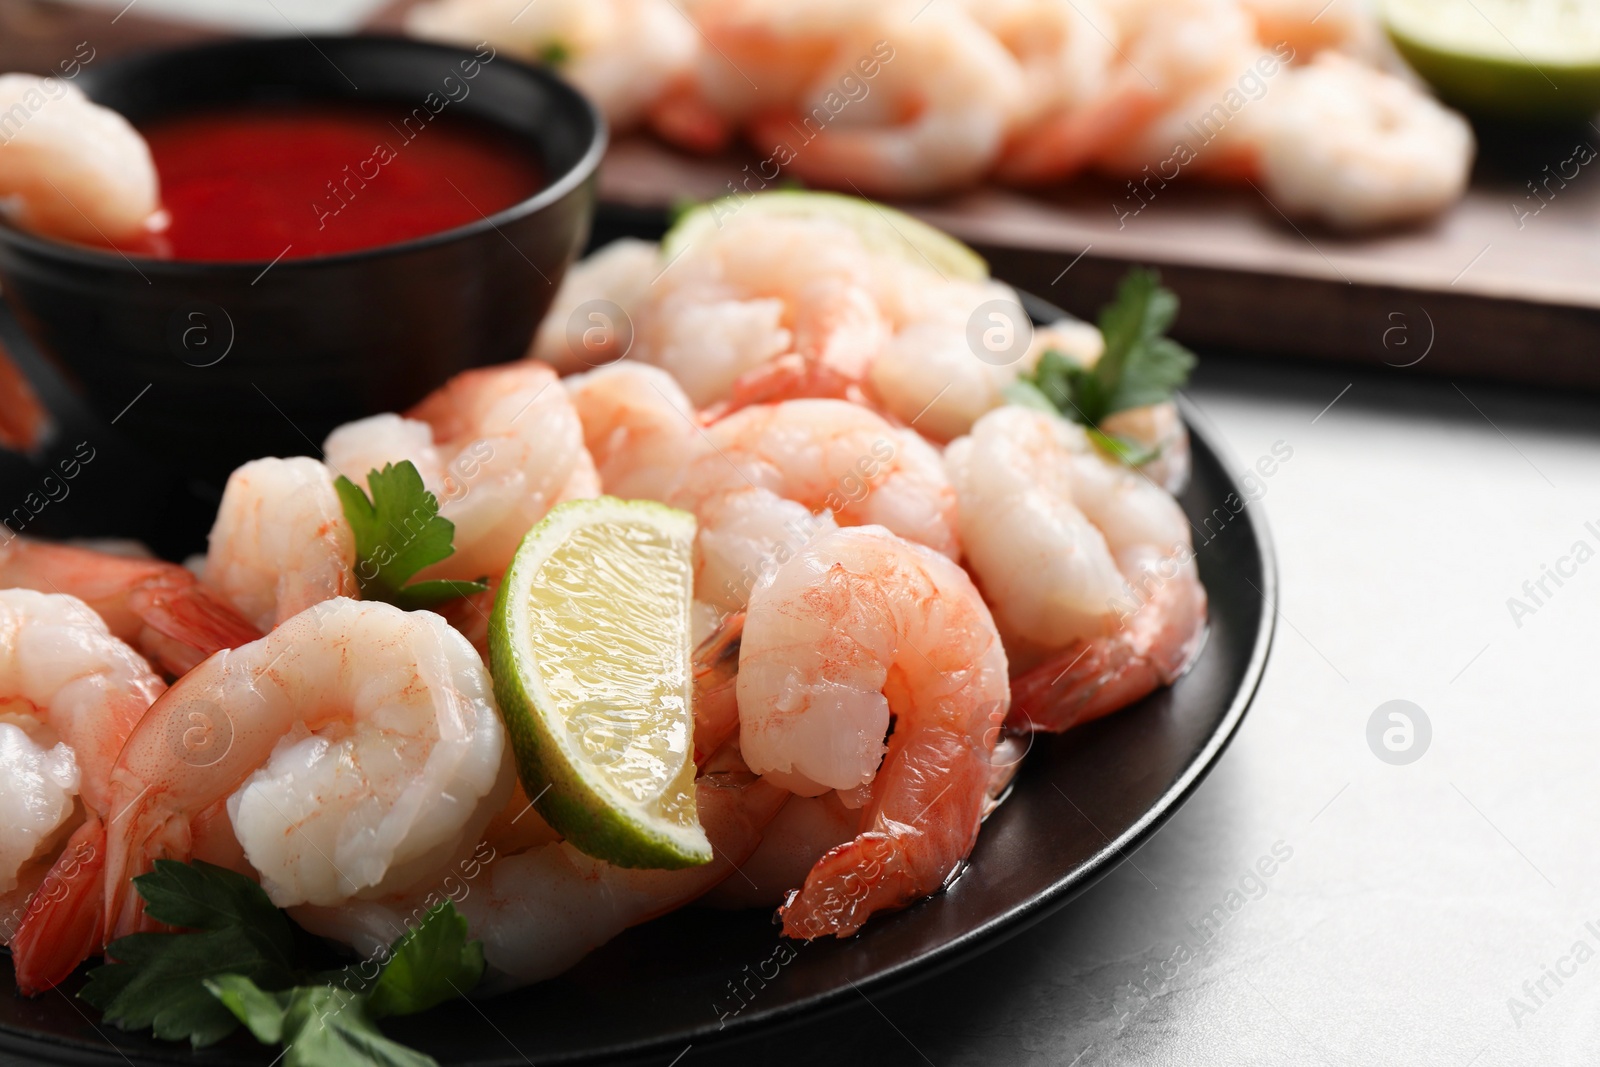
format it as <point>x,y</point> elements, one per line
<point>1140,366</point>
<point>398,532</point>
<point>234,964</point>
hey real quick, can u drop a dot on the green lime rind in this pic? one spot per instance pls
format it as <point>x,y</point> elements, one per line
<point>1491,63</point>
<point>574,794</point>
<point>882,229</point>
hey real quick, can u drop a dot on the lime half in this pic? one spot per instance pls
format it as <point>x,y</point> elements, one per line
<point>1534,59</point>
<point>881,229</point>
<point>589,645</point>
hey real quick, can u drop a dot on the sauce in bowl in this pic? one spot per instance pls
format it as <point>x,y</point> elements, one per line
<point>268,181</point>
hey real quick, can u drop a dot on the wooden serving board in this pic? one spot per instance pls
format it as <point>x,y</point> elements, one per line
<point>1481,291</point>
<point>1506,285</point>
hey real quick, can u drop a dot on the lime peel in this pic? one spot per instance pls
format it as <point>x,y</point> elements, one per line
<point>589,647</point>
<point>881,229</point>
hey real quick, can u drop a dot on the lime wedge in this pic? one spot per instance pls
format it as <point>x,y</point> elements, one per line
<point>881,229</point>
<point>1534,59</point>
<point>589,645</point>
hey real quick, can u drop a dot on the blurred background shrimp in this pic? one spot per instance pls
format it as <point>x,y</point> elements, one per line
<point>1356,147</point>
<point>70,693</point>
<point>73,169</point>
<point>623,53</point>
<point>1087,564</point>
<point>937,114</point>
<point>860,629</point>
<point>350,753</point>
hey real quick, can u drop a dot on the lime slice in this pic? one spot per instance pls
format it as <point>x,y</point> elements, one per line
<point>881,229</point>
<point>1536,59</point>
<point>589,645</point>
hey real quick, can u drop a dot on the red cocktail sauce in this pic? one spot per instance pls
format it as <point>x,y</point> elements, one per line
<point>264,181</point>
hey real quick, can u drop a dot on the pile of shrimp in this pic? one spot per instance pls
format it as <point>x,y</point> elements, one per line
<point>898,577</point>
<point>905,98</point>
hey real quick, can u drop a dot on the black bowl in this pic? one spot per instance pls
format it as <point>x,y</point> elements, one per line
<point>201,366</point>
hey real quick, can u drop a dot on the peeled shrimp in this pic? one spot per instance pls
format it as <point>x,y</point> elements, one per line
<point>858,629</point>
<point>70,694</point>
<point>160,608</point>
<point>932,376</point>
<point>281,542</point>
<point>936,115</point>
<point>499,447</point>
<point>540,911</point>
<point>613,279</point>
<point>765,307</point>
<point>352,750</point>
<point>70,168</point>
<point>1087,565</point>
<point>646,440</point>
<point>834,455</point>
<point>621,53</point>
<point>1356,147</point>
<point>639,427</point>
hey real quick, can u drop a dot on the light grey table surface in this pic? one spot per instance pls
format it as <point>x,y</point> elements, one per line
<point>1417,899</point>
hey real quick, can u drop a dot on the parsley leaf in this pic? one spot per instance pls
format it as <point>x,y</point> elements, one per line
<point>1140,364</point>
<point>319,1026</point>
<point>331,1025</point>
<point>234,965</point>
<point>398,532</point>
<point>431,964</point>
<point>554,52</point>
<point>158,980</point>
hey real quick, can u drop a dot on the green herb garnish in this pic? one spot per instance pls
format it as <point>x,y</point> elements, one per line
<point>553,53</point>
<point>1140,366</point>
<point>398,532</point>
<point>158,979</point>
<point>234,965</point>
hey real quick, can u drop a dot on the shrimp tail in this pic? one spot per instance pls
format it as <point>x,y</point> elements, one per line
<point>716,699</point>
<point>24,422</point>
<point>64,924</point>
<point>194,621</point>
<point>1089,679</point>
<point>911,842</point>
<point>141,834</point>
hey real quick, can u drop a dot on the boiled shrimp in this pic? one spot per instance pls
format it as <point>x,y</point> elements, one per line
<point>602,290</point>
<point>540,911</point>
<point>622,53</point>
<point>280,542</point>
<point>351,750</point>
<point>765,307</point>
<point>1355,147</point>
<point>833,455</point>
<point>70,168</point>
<point>858,629</point>
<point>499,447</point>
<point>160,608</point>
<point>70,694</point>
<point>1088,566</point>
<point>936,116</point>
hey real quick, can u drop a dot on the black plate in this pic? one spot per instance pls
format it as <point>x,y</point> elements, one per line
<point>1080,802</point>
